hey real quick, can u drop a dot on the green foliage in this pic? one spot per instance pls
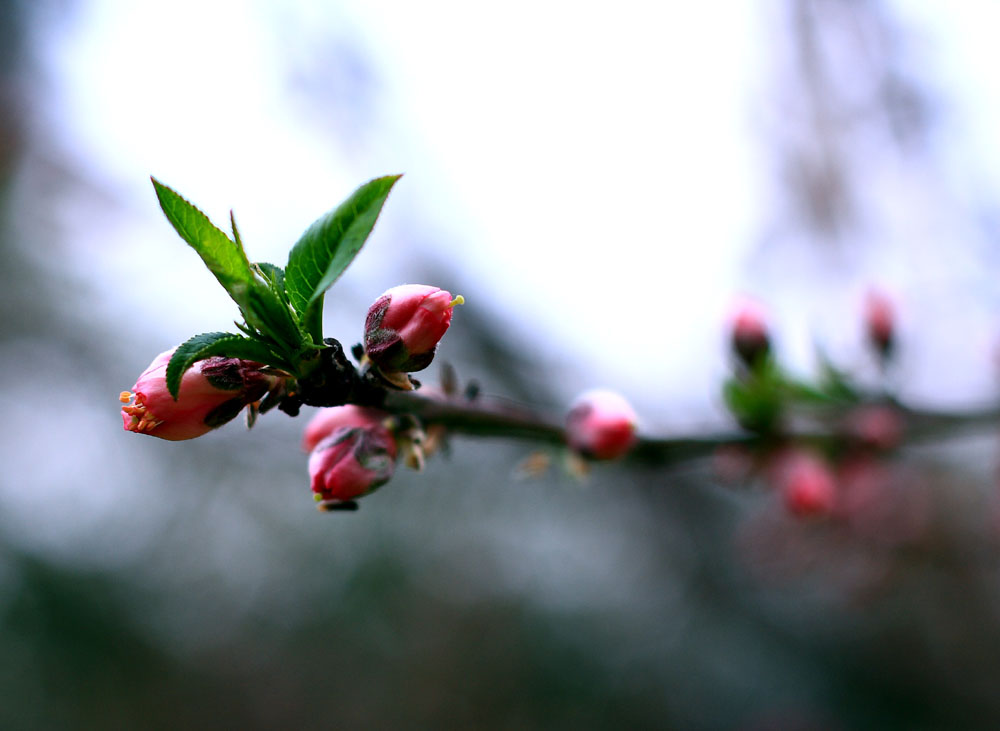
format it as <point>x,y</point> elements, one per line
<point>223,257</point>
<point>275,278</point>
<point>757,400</point>
<point>282,312</point>
<point>207,345</point>
<point>266,312</point>
<point>761,396</point>
<point>326,249</point>
<point>273,320</point>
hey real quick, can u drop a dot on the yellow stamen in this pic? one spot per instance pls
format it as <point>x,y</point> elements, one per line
<point>125,396</point>
<point>459,300</point>
<point>142,420</point>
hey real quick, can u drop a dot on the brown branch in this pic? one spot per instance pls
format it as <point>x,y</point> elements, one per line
<point>487,417</point>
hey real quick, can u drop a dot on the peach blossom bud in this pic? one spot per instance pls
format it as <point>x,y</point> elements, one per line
<point>876,426</point>
<point>807,485</point>
<point>404,326</point>
<point>601,425</point>
<point>357,455</point>
<point>212,392</point>
<point>880,322</point>
<point>329,419</point>
<point>750,340</point>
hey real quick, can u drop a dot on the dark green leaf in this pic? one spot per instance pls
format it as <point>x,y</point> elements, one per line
<point>224,258</point>
<point>756,403</point>
<point>328,246</point>
<point>207,345</point>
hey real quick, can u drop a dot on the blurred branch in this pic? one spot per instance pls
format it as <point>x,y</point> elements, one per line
<point>487,418</point>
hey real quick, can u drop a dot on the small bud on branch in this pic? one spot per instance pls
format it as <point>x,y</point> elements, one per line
<point>212,393</point>
<point>601,425</point>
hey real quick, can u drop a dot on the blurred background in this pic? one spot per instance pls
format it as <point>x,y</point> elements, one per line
<point>600,183</point>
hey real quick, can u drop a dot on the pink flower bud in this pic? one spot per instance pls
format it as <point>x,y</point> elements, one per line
<point>876,426</point>
<point>328,420</point>
<point>356,455</point>
<point>807,485</point>
<point>212,392</point>
<point>601,425</point>
<point>880,322</point>
<point>750,340</point>
<point>404,326</point>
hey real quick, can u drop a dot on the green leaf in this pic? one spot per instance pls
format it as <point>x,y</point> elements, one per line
<point>207,345</point>
<point>275,278</point>
<point>269,313</point>
<point>236,231</point>
<point>757,402</point>
<point>224,258</point>
<point>328,246</point>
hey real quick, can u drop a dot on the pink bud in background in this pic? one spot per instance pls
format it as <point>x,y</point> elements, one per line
<point>404,326</point>
<point>880,322</point>
<point>356,456</point>
<point>750,340</point>
<point>807,485</point>
<point>601,425</point>
<point>876,426</point>
<point>212,392</point>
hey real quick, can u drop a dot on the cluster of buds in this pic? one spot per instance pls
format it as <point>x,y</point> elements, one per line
<point>812,486</point>
<point>353,449</point>
<point>750,340</point>
<point>212,392</point>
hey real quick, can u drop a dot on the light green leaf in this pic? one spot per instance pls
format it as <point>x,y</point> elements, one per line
<point>224,258</point>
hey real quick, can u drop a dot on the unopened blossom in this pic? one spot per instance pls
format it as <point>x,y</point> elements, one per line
<point>404,326</point>
<point>876,426</point>
<point>750,340</point>
<point>601,425</point>
<point>356,456</point>
<point>328,420</point>
<point>807,485</point>
<point>212,392</point>
<point>880,322</point>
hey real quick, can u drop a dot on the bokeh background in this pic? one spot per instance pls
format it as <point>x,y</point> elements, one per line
<point>601,182</point>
